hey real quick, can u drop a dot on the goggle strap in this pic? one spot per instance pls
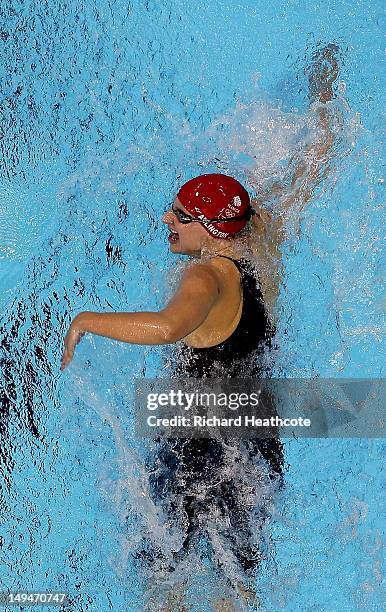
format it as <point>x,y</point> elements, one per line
<point>250,212</point>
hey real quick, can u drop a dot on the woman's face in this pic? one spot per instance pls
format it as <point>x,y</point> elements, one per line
<point>184,238</point>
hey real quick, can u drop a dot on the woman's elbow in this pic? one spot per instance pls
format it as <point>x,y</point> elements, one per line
<point>172,334</point>
<point>172,331</point>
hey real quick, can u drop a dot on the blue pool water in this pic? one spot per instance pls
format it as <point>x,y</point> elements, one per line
<point>106,107</point>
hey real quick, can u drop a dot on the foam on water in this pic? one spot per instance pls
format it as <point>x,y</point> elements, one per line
<point>161,528</point>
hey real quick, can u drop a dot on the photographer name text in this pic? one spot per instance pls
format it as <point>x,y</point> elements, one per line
<point>214,421</point>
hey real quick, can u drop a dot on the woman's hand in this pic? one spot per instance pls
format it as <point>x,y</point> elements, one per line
<point>323,72</point>
<point>74,335</point>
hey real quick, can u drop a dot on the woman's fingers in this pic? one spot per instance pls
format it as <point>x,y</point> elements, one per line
<point>323,72</point>
<point>67,357</point>
<point>69,345</point>
<point>72,338</point>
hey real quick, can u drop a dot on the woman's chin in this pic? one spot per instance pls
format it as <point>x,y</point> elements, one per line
<point>178,249</point>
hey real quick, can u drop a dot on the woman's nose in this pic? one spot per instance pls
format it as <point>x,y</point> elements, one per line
<point>168,217</point>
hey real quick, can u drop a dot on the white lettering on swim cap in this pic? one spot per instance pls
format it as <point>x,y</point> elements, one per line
<point>234,205</point>
<point>209,226</point>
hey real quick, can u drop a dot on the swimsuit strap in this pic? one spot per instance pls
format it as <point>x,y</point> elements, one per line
<point>250,283</point>
<point>245,268</point>
<point>235,261</point>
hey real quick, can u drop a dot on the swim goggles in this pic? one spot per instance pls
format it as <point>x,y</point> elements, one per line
<point>184,218</point>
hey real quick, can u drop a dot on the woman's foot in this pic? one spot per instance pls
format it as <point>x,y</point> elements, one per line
<point>224,605</point>
<point>166,599</point>
<point>248,595</point>
<point>323,72</point>
<point>176,601</point>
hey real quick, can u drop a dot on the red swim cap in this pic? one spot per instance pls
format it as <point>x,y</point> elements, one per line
<point>216,196</point>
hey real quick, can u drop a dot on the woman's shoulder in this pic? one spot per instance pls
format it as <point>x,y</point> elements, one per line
<point>200,273</point>
<point>224,267</point>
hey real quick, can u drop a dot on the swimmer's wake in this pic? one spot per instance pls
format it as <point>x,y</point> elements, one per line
<point>160,532</point>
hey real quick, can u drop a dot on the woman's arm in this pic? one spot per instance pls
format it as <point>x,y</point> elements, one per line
<point>271,231</point>
<point>306,173</point>
<point>302,177</point>
<point>188,308</point>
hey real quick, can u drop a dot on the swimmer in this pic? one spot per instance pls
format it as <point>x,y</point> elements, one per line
<point>222,314</point>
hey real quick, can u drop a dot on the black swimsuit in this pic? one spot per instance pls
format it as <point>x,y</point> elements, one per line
<point>186,472</point>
